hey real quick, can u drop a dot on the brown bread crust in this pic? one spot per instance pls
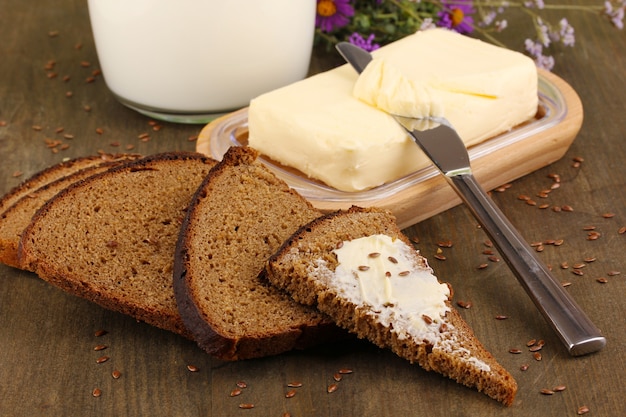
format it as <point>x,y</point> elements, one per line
<point>294,268</point>
<point>110,238</point>
<point>26,199</point>
<point>239,216</point>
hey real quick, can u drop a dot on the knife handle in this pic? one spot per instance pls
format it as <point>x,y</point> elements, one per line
<point>575,329</point>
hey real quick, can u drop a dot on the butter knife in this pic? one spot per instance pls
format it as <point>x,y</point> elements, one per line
<point>440,142</point>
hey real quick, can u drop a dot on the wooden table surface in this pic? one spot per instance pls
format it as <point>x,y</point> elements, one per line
<point>47,337</point>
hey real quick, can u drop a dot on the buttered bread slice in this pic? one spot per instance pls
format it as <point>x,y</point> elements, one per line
<point>357,267</point>
<point>239,217</point>
<point>110,238</point>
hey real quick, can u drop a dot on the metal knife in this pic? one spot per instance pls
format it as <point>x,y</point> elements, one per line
<point>440,142</point>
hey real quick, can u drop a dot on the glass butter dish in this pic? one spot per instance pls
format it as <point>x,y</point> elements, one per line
<point>424,193</point>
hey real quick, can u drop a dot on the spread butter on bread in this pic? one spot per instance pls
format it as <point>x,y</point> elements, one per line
<point>358,267</point>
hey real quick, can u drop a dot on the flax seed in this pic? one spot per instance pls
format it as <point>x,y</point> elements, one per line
<point>559,388</point>
<point>531,202</point>
<point>523,197</point>
<point>531,342</point>
<point>567,208</point>
<point>404,273</point>
<point>535,348</point>
<point>99,130</point>
<point>524,367</point>
<point>556,209</point>
<point>246,406</point>
<point>96,392</point>
<point>621,230</point>
<point>537,356</point>
<point>613,273</point>
<point>332,388</point>
<point>363,268</point>
<point>488,252</point>
<point>483,266</point>
<point>464,304</point>
<point>236,392</point>
<point>540,248</point>
<point>564,265</point>
<point>100,347</point>
<point>602,280</point>
<point>546,391</point>
<point>583,409</point>
<point>579,265</point>
<point>290,393</point>
<point>608,215</point>
<point>565,284</point>
<point>501,317</point>
<point>102,359</point>
<point>544,206</point>
<point>515,351</point>
<point>337,377</point>
<point>295,384</point>
<point>440,257</point>
<point>345,371</point>
<point>242,384</point>
<point>494,258</point>
<point>392,260</point>
<point>559,242</point>
<point>577,272</point>
<point>427,319</point>
<point>192,368</point>
<point>445,244</point>
<point>100,333</point>
<point>116,374</point>
<point>373,255</point>
<point>488,243</point>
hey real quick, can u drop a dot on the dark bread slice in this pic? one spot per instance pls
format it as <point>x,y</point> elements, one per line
<point>110,238</point>
<point>240,215</point>
<point>34,193</point>
<point>53,173</point>
<point>306,265</point>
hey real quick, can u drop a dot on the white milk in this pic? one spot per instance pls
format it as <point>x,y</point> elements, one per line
<point>183,60</point>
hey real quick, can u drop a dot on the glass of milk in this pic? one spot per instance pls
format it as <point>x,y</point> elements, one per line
<point>188,61</point>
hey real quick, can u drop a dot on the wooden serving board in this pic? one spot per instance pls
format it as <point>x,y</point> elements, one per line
<point>433,195</point>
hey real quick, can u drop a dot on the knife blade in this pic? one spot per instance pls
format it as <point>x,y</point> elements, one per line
<point>441,143</point>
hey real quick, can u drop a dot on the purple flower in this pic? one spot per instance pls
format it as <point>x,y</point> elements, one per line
<point>456,15</point>
<point>615,14</point>
<point>333,14</point>
<point>535,49</point>
<point>358,40</point>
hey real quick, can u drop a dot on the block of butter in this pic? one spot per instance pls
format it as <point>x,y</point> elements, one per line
<point>337,130</point>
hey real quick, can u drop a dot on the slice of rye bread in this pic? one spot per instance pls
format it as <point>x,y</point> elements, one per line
<point>240,215</point>
<point>55,172</point>
<point>110,238</point>
<point>20,204</point>
<point>305,267</point>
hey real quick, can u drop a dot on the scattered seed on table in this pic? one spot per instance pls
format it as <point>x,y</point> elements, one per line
<point>464,304</point>
<point>559,388</point>
<point>566,284</point>
<point>602,280</point>
<point>567,208</point>
<point>116,374</point>
<point>493,258</point>
<point>613,273</point>
<point>246,406</point>
<point>621,230</point>
<point>537,356</point>
<point>337,377</point>
<point>483,266</point>
<point>501,317</point>
<point>583,409</point>
<point>564,265</point>
<point>531,342</point>
<point>295,384</point>
<point>535,348</point>
<point>100,333</point>
<point>332,388</point>
<point>578,272</point>
<point>579,265</point>
<point>515,351</point>
<point>608,215</point>
<point>241,384</point>
<point>192,368</point>
<point>102,359</point>
<point>445,244</point>
<point>440,257</point>
<point>344,371</point>
<point>96,392</point>
<point>290,393</point>
<point>236,392</point>
<point>546,391</point>
<point>100,347</point>
<point>524,367</point>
